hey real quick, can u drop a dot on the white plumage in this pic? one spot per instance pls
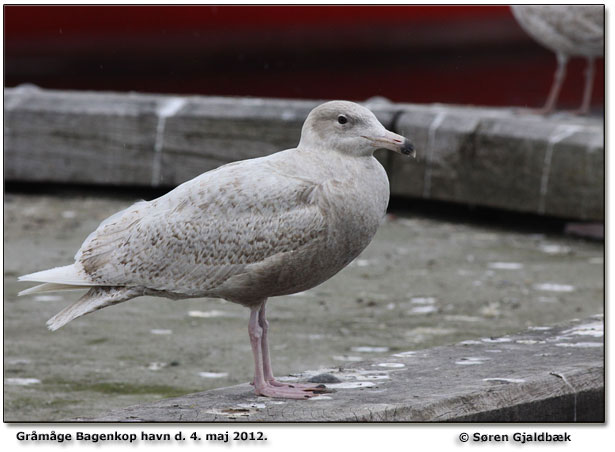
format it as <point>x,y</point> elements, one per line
<point>246,231</point>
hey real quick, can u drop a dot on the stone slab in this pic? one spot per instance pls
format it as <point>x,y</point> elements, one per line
<point>544,374</point>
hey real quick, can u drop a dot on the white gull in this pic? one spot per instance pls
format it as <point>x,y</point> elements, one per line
<point>244,232</point>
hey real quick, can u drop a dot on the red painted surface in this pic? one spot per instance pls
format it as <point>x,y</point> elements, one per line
<point>27,21</point>
<point>448,54</point>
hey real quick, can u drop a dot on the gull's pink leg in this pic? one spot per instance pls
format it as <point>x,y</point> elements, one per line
<point>587,91</point>
<point>264,324</point>
<point>267,370</point>
<point>255,333</point>
<point>558,81</point>
<point>261,386</point>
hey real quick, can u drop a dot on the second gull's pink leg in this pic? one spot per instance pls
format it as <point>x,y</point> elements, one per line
<point>587,90</point>
<point>556,86</point>
<point>558,81</point>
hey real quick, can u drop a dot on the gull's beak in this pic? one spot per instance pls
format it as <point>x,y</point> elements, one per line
<point>393,142</point>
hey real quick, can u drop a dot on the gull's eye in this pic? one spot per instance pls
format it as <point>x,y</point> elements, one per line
<point>342,119</point>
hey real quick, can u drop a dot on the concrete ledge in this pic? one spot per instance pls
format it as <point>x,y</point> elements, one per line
<point>550,374</point>
<point>470,155</point>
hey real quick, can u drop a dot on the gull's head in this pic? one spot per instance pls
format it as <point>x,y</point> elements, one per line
<point>351,129</point>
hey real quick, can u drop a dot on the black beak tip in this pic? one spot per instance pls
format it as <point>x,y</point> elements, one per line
<point>408,148</point>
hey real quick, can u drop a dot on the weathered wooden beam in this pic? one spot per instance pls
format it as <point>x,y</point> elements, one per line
<point>499,158</point>
<point>208,132</point>
<point>75,137</point>
<point>492,157</point>
<point>546,374</point>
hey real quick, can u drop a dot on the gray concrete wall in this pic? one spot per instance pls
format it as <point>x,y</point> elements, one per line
<point>478,156</point>
<point>546,374</point>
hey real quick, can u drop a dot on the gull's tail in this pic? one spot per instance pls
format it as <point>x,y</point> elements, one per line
<point>70,277</point>
<point>96,298</point>
<point>50,287</point>
<point>58,278</point>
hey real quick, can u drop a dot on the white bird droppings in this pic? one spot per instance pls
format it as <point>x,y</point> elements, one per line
<point>21,381</point>
<point>377,377</point>
<point>547,299</point>
<point>505,380</point>
<point>505,265</point>
<point>347,358</point>
<point>161,332</point>
<point>462,318</point>
<point>422,300</point>
<point>157,366</point>
<point>472,360</point>
<point>320,397</point>
<point>315,337</point>
<point>170,106</point>
<point>470,342</point>
<point>370,349</point>
<point>390,365</point>
<point>210,314</point>
<point>430,149</point>
<point>561,133</point>
<point>551,248</point>
<point>351,384</point>
<point>17,361</point>
<point>213,374</point>
<point>404,354</point>
<point>554,287</point>
<point>166,109</point>
<point>423,310</point>
<point>496,339</point>
<point>595,329</point>
<point>287,378</point>
<point>580,344</point>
